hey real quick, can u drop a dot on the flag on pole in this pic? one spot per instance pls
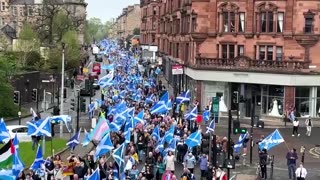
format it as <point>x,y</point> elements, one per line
<point>238,145</point>
<point>211,127</point>
<point>86,139</point>
<point>4,134</point>
<point>271,141</point>
<point>38,160</point>
<point>118,156</point>
<point>74,141</point>
<point>194,139</point>
<point>104,146</point>
<point>95,175</point>
<point>39,128</point>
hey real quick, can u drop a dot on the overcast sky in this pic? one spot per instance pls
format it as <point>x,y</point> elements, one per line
<point>107,9</point>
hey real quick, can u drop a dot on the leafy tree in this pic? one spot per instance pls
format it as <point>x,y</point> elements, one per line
<point>72,52</point>
<point>96,30</point>
<point>28,42</point>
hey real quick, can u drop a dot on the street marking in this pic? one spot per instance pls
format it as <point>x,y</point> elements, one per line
<point>232,177</point>
<point>314,153</point>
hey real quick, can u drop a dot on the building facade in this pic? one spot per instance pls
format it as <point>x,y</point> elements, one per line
<point>128,21</point>
<point>149,27</point>
<point>16,12</point>
<point>264,51</point>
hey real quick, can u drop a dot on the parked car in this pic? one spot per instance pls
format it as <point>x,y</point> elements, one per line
<point>99,58</point>
<point>95,85</point>
<point>96,68</point>
<point>21,131</point>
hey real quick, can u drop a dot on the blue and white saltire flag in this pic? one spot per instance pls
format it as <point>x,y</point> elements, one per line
<point>91,109</point>
<point>104,146</point>
<point>168,136</point>
<point>172,146</point>
<point>17,165</point>
<point>127,136</point>
<point>39,128</point>
<point>4,134</point>
<point>206,115</point>
<point>74,141</point>
<point>192,114</point>
<point>159,108</point>
<point>169,105</point>
<point>160,145</point>
<point>165,98</point>
<point>138,119</point>
<point>115,126</point>
<point>109,67</point>
<point>211,127</point>
<point>150,99</point>
<point>66,119</point>
<point>38,160</point>
<point>183,97</point>
<point>6,174</point>
<point>238,145</point>
<point>156,133</point>
<point>86,139</point>
<point>33,113</point>
<point>95,175</point>
<point>194,139</point>
<point>107,80</point>
<point>118,156</point>
<point>271,141</point>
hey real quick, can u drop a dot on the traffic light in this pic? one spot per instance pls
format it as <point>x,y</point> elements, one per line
<point>64,93</point>
<point>82,104</point>
<point>73,105</point>
<point>235,96</point>
<point>35,95</point>
<point>16,97</point>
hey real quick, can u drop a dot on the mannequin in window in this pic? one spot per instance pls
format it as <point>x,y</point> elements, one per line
<point>222,105</point>
<point>275,109</point>
<point>225,27</point>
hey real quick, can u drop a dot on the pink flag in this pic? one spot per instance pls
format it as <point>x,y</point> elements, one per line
<point>100,130</point>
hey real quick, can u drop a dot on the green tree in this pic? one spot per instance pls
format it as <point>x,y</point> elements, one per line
<point>7,70</point>
<point>72,52</point>
<point>136,31</point>
<point>28,42</point>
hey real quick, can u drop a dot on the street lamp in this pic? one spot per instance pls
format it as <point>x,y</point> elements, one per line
<point>19,115</point>
<point>62,88</point>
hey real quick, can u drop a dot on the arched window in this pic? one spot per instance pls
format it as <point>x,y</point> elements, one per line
<point>269,19</point>
<point>230,20</point>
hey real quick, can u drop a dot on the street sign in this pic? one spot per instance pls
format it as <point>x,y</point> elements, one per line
<point>177,69</point>
<point>215,108</point>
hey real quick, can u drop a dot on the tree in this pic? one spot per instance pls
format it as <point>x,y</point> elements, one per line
<point>72,52</point>
<point>7,70</point>
<point>96,30</point>
<point>28,42</point>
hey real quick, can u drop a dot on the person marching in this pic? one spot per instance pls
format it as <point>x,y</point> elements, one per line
<point>308,125</point>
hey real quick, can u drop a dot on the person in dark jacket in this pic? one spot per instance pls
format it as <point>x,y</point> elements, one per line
<point>263,157</point>
<point>292,163</point>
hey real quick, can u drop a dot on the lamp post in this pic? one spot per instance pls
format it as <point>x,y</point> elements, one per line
<point>62,88</point>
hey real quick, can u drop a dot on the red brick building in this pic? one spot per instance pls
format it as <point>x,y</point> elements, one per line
<point>149,27</point>
<point>267,51</point>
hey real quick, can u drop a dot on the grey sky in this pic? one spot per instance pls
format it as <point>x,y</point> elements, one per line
<point>107,9</point>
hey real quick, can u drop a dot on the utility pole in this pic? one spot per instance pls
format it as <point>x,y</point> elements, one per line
<point>229,140</point>
<point>251,130</point>
<point>62,89</point>
<point>78,111</point>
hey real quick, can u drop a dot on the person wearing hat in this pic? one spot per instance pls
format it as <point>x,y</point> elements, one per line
<point>308,125</point>
<point>190,162</point>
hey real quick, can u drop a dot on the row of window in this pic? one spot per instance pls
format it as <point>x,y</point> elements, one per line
<point>23,11</point>
<point>185,24</point>
<point>265,52</point>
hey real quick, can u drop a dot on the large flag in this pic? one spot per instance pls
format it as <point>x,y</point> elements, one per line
<point>39,128</point>
<point>118,156</point>
<point>4,134</point>
<point>168,136</point>
<point>104,146</point>
<point>38,160</point>
<point>95,175</point>
<point>211,127</point>
<point>183,97</point>
<point>66,119</point>
<point>271,141</point>
<point>238,145</point>
<point>100,130</point>
<point>194,139</point>
<point>192,113</point>
<point>138,118</point>
<point>74,141</point>
<point>6,155</point>
<point>18,165</point>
